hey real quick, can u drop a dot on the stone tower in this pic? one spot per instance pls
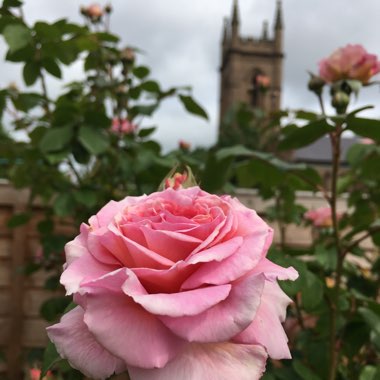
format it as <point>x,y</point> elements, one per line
<point>251,68</point>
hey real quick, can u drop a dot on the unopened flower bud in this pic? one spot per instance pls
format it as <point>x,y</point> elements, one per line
<point>13,87</point>
<point>184,145</point>
<point>108,8</point>
<point>340,101</point>
<point>316,84</point>
<point>128,55</point>
<point>83,11</point>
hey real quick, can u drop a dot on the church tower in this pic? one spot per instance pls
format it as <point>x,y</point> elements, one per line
<point>251,68</point>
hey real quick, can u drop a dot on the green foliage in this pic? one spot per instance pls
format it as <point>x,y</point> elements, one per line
<point>192,106</point>
<point>299,137</point>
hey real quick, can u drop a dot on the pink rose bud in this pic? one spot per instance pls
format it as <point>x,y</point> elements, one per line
<point>95,11</point>
<point>35,373</point>
<point>173,285</point>
<point>367,141</point>
<point>263,82</point>
<point>321,217</point>
<point>176,181</point>
<point>349,62</point>
<point>128,55</point>
<point>122,126</point>
<point>184,145</point>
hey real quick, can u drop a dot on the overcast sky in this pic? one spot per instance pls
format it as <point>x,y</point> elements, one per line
<point>181,39</point>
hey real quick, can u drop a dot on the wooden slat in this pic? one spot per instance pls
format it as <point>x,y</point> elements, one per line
<point>5,301</point>
<point>14,352</point>
<point>4,331</point>
<point>34,298</point>
<point>37,279</point>
<point>35,333</point>
<point>5,273</point>
<point>5,247</point>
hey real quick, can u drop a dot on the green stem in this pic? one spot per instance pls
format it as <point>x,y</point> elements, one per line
<point>321,104</point>
<point>45,94</point>
<point>334,349</point>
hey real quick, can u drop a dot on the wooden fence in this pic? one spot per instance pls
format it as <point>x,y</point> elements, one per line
<point>21,327</point>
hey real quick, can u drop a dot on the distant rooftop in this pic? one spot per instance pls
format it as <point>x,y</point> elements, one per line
<point>320,151</point>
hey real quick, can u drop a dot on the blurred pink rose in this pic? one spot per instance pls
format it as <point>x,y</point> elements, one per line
<point>122,126</point>
<point>95,11</point>
<point>349,62</point>
<point>35,373</point>
<point>176,181</point>
<point>172,286</point>
<point>321,217</point>
<point>263,81</point>
<point>366,141</point>
<point>184,145</point>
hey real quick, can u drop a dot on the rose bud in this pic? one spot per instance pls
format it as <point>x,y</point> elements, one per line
<point>340,101</point>
<point>184,145</point>
<point>95,12</point>
<point>128,55</point>
<point>316,84</point>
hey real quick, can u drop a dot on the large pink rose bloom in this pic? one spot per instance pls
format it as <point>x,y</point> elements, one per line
<point>173,286</point>
<point>349,62</point>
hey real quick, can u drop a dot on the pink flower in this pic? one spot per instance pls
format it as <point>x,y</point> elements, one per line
<point>122,126</point>
<point>349,62</point>
<point>94,11</point>
<point>35,373</point>
<point>367,141</point>
<point>321,217</point>
<point>172,286</point>
<point>263,82</point>
<point>176,181</point>
<point>184,145</point>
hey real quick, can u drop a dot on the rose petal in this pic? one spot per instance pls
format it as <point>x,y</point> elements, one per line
<point>275,272</point>
<point>170,280</point>
<point>224,320</point>
<point>222,361</point>
<point>170,244</point>
<point>236,265</point>
<point>77,247</point>
<point>129,252</point>
<point>85,268</point>
<point>125,328</point>
<point>76,344</point>
<point>266,329</point>
<point>181,304</point>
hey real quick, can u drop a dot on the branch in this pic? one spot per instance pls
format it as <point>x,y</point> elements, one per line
<point>359,240</point>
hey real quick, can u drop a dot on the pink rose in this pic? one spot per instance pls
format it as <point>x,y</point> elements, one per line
<point>184,145</point>
<point>122,126</point>
<point>172,286</point>
<point>367,141</point>
<point>35,373</point>
<point>321,217</point>
<point>349,62</point>
<point>176,181</point>
<point>263,82</point>
<point>94,11</point>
